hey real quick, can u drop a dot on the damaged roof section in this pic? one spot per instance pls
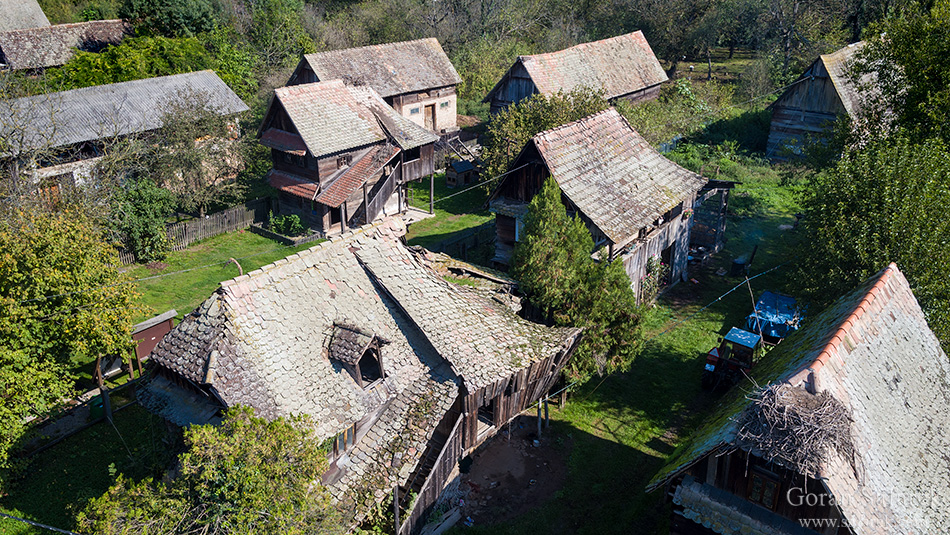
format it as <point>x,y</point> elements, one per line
<point>390,69</point>
<point>52,46</point>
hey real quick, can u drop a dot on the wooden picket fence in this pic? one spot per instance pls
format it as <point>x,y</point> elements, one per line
<point>187,232</point>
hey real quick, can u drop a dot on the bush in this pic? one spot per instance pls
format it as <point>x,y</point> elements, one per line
<point>288,225</point>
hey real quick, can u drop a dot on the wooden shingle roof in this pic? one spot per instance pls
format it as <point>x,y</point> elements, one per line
<point>20,14</point>
<point>837,64</point>
<point>50,46</point>
<point>104,111</point>
<point>606,169</point>
<point>391,68</point>
<point>872,351</point>
<point>617,66</point>
<point>331,117</point>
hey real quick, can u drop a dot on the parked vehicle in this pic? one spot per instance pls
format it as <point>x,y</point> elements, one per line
<point>732,359</point>
<point>775,317</point>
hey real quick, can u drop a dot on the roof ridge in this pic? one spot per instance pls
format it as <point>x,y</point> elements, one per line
<point>588,44</point>
<point>377,45</point>
<point>582,120</point>
<point>851,320</point>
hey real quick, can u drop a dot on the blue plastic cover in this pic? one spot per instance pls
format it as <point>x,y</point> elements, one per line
<point>742,338</point>
<point>775,315</point>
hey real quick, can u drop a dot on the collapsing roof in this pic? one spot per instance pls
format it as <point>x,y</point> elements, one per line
<point>617,66</point>
<point>874,354</point>
<point>50,46</point>
<point>612,175</point>
<point>390,69</point>
<point>277,339</point>
<point>21,14</point>
<point>105,111</point>
<point>331,117</point>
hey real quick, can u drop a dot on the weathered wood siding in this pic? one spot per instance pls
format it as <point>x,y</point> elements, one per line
<point>647,93</point>
<point>444,465</point>
<point>513,88</point>
<point>421,167</point>
<point>709,220</point>
<point>674,233</point>
<point>805,110</point>
<point>510,396</point>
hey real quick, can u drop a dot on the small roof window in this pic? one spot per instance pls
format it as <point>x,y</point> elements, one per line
<point>359,352</point>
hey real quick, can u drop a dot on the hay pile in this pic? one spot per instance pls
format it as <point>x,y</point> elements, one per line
<point>789,426</point>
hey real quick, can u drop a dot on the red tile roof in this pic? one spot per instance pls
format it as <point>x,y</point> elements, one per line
<point>290,184</point>
<point>353,178</point>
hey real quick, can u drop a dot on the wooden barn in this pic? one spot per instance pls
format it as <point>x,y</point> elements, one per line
<point>635,202</point>
<point>33,49</point>
<point>861,450</point>
<point>623,67</point>
<point>57,139</point>
<point>341,156</point>
<point>401,371</point>
<point>807,109</point>
<point>416,78</point>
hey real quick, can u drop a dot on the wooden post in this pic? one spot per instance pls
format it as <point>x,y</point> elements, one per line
<point>539,419</point>
<point>396,506</point>
<point>547,418</point>
<point>563,401</point>
<point>365,206</point>
<point>106,404</point>
<point>98,372</point>
<point>343,217</point>
<point>432,193</point>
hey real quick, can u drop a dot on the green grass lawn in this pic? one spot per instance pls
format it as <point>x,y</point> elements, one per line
<point>624,426</point>
<point>60,481</point>
<point>207,265</point>
<point>452,215</point>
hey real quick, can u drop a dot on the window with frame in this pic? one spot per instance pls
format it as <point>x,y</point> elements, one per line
<point>343,442</point>
<point>412,155</point>
<point>414,111</point>
<point>444,104</point>
<point>344,161</point>
<point>763,489</point>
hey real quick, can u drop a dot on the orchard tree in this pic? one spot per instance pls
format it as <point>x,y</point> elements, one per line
<point>883,202</point>
<point>246,475</point>
<point>512,128</point>
<point>138,216</point>
<point>63,303</point>
<point>554,266</point>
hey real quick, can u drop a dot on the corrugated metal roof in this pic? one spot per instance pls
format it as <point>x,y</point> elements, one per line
<point>68,117</point>
<point>390,69</point>
<point>332,117</point>
<point>873,351</point>
<point>837,64</point>
<point>613,175</point>
<point>20,14</point>
<point>50,46</point>
<point>618,66</point>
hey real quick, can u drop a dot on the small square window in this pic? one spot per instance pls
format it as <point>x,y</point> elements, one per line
<point>444,104</point>
<point>414,111</point>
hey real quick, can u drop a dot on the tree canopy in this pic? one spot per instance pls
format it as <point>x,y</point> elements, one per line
<point>246,475</point>
<point>553,265</point>
<point>62,302</point>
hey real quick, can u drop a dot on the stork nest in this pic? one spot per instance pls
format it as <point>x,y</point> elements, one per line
<point>792,427</point>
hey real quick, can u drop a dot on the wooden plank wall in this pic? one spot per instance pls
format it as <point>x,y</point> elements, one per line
<point>635,260</point>
<point>435,482</point>
<point>806,109</point>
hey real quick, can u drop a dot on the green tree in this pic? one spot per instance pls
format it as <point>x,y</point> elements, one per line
<point>172,18</point>
<point>246,475</point>
<point>553,265</point>
<point>909,56</point>
<point>881,203</point>
<point>138,216</point>
<point>62,303</point>
<point>511,129</point>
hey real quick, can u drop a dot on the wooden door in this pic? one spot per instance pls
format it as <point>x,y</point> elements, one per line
<point>430,117</point>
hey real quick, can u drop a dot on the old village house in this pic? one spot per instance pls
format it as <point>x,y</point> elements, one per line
<point>416,78</point>
<point>57,139</point>
<point>841,430</point>
<point>34,49</point>
<point>623,67</point>
<point>636,203</point>
<point>403,371</point>
<point>807,109</point>
<point>342,156</point>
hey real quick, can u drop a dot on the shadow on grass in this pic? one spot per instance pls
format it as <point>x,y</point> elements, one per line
<point>60,481</point>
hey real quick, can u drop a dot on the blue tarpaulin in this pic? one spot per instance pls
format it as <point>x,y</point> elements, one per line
<point>775,315</point>
<point>743,338</point>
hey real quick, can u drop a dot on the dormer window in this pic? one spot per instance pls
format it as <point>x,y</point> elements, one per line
<point>359,353</point>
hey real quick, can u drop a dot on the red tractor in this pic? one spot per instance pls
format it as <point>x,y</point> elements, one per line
<point>735,356</point>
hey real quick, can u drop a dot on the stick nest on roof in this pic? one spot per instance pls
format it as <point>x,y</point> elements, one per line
<point>792,427</point>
